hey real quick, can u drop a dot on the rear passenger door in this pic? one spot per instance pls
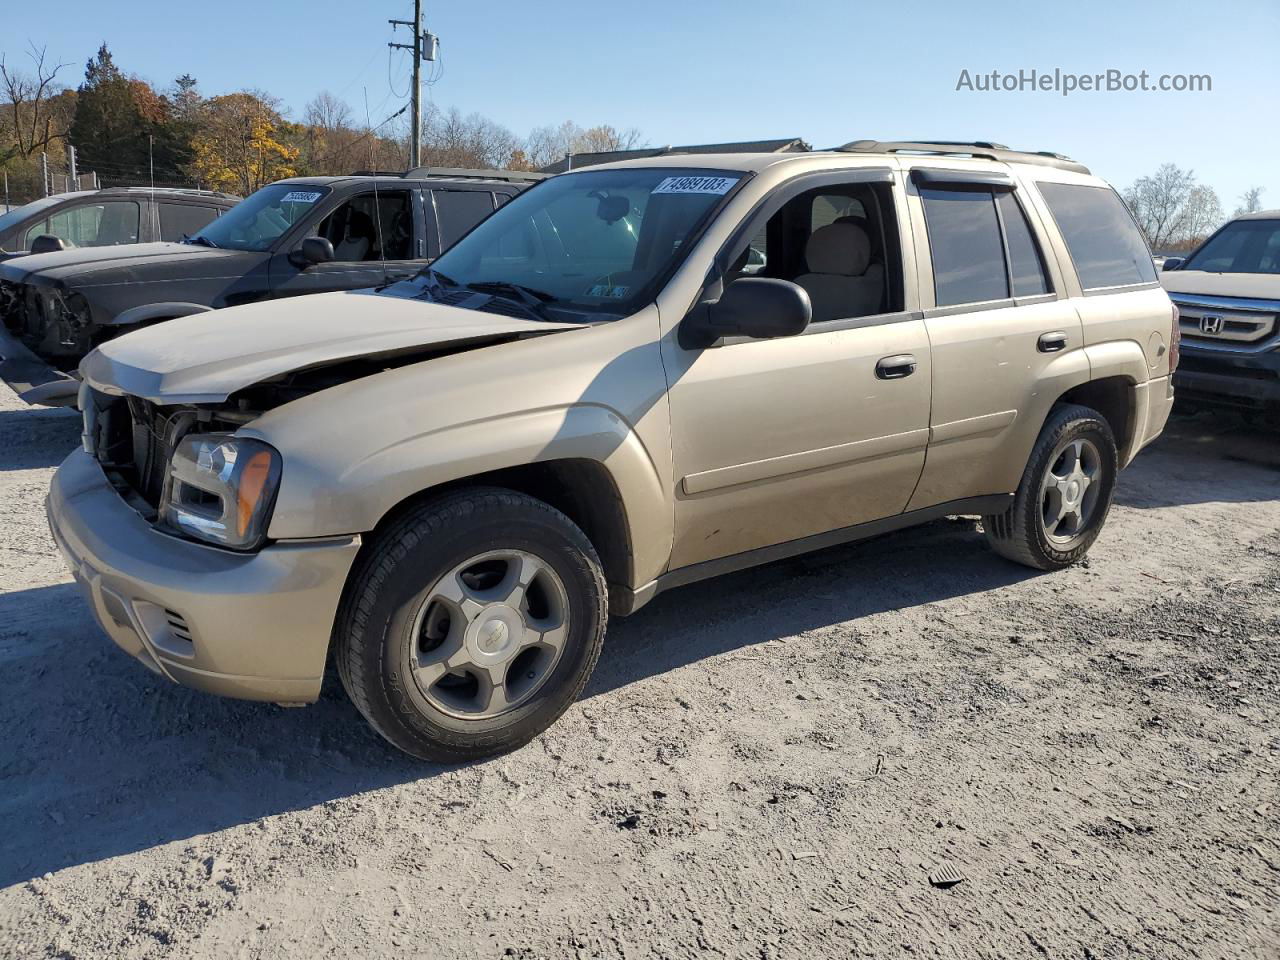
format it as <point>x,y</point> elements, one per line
<point>456,211</point>
<point>178,220</point>
<point>1005,341</point>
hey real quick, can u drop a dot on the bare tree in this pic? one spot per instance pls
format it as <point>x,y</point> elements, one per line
<point>28,100</point>
<point>1250,201</point>
<point>1159,203</point>
<point>327,112</point>
<point>452,139</point>
<point>1202,216</point>
<point>546,145</point>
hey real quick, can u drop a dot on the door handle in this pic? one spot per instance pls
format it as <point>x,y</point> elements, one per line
<point>1052,342</point>
<point>896,367</point>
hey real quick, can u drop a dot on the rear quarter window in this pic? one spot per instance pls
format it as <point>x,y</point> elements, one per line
<point>1101,236</point>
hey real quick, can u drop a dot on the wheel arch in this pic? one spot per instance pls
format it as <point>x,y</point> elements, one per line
<point>149,312</point>
<point>582,489</point>
<point>1115,398</point>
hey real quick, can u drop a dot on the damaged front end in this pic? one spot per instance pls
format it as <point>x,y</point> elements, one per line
<point>44,329</point>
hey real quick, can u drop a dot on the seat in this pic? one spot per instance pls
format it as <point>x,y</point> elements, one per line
<point>842,281</point>
<point>357,237</point>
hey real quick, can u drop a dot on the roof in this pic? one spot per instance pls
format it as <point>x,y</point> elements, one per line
<point>576,160</point>
<point>1259,215</point>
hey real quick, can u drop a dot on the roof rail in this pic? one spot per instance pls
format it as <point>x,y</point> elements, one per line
<point>456,173</point>
<point>954,148</point>
<point>192,191</point>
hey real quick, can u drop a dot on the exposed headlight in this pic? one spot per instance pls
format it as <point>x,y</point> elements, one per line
<point>221,489</point>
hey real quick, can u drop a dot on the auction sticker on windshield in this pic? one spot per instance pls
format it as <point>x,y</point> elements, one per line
<point>301,196</point>
<point>713,185</point>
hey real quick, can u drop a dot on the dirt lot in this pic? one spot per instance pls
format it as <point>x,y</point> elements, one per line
<point>767,765</point>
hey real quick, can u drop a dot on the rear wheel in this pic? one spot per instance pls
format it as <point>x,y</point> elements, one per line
<point>471,625</point>
<point>1065,493</point>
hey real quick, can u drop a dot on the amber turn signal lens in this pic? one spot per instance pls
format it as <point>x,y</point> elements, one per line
<point>252,482</point>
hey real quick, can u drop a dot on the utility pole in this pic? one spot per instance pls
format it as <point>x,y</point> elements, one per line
<point>423,48</point>
<point>73,179</point>
<point>44,172</point>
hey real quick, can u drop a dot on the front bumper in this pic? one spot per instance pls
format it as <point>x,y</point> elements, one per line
<point>1227,378</point>
<point>254,626</point>
<point>31,378</point>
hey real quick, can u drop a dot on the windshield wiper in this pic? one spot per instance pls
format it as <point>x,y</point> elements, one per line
<point>199,240</point>
<point>536,300</point>
<point>435,281</point>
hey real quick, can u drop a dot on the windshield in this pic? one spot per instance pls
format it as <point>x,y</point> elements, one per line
<point>259,220</point>
<point>1246,246</point>
<point>596,241</point>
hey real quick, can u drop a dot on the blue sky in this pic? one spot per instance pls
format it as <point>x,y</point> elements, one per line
<point>827,70</point>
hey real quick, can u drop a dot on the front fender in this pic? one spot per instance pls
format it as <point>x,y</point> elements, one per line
<point>153,311</point>
<point>311,503</point>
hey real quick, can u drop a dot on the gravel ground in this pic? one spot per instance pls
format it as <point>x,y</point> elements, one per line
<point>768,765</point>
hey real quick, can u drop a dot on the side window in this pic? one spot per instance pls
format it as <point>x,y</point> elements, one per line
<point>369,227</point>
<point>964,240</point>
<point>91,225</point>
<point>178,220</point>
<point>460,210</point>
<point>840,243</point>
<point>1104,242</point>
<point>1026,265</point>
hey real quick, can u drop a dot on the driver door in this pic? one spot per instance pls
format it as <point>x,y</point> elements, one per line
<point>782,439</point>
<point>362,228</point>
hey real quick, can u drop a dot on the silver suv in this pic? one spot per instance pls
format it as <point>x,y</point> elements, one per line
<point>629,378</point>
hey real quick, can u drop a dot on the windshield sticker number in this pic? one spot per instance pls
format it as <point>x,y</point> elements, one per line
<point>301,196</point>
<point>717,186</point>
<point>604,290</point>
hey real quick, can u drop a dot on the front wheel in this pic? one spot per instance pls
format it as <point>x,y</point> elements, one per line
<point>1065,493</point>
<point>471,624</point>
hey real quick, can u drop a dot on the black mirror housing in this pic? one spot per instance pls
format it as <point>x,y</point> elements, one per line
<point>315,250</point>
<point>760,308</point>
<point>1172,263</point>
<point>47,243</point>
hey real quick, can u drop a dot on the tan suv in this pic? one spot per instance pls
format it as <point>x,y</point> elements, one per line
<point>628,378</point>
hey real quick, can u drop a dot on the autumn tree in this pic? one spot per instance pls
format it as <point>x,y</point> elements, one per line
<point>124,129</point>
<point>240,146</point>
<point>31,122</point>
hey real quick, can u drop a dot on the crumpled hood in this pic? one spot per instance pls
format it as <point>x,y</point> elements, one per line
<point>207,357</point>
<point>1253,286</point>
<point>82,263</point>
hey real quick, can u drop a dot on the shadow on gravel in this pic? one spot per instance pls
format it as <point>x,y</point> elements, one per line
<point>99,757</point>
<point>1209,457</point>
<point>37,437</point>
<point>947,558</point>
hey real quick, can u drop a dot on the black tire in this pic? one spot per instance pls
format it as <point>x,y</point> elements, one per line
<point>1019,533</point>
<point>374,631</point>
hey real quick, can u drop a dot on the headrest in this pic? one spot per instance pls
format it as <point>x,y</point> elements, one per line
<point>839,248</point>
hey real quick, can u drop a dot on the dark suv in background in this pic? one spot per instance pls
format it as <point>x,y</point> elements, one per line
<point>292,237</point>
<point>1228,291</point>
<point>109,218</point>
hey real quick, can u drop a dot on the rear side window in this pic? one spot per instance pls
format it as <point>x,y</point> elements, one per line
<point>1026,267</point>
<point>460,210</point>
<point>964,238</point>
<point>178,220</point>
<point>1104,242</point>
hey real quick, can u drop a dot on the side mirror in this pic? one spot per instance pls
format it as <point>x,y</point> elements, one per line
<point>47,243</point>
<point>313,250</point>
<point>757,307</point>
<point>1172,263</point>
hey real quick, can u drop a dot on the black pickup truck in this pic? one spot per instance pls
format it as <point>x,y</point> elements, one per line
<point>292,237</point>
